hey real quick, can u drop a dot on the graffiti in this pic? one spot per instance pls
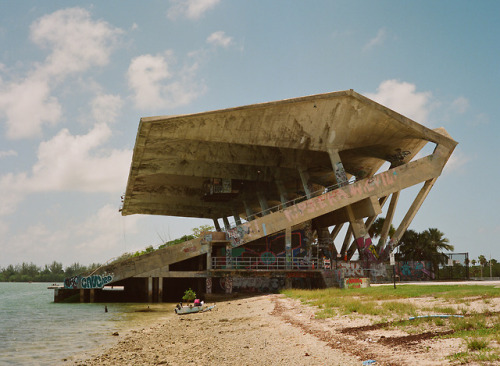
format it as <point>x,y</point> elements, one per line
<point>356,283</point>
<point>94,281</point>
<point>353,283</point>
<point>340,175</point>
<point>414,270</point>
<point>378,270</point>
<point>397,158</point>
<point>236,235</point>
<point>190,249</point>
<point>350,269</point>
<point>228,285</point>
<point>258,284</point>
<point>71,282</point>
<point>339,196</point>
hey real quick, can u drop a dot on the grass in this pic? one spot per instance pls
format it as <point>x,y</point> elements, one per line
<point>480,331</point>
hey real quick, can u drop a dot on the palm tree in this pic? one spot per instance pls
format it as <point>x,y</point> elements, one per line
<point>425,246</point>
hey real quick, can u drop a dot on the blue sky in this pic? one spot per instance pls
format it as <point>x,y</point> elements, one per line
<point>76,77</point>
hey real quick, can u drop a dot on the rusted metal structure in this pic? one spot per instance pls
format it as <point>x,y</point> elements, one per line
<point>290,174</point>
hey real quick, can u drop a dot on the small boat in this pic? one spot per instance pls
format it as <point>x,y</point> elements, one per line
<point>192,309</point>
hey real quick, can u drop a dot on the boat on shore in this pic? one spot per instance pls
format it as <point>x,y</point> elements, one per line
<point>189,309</point>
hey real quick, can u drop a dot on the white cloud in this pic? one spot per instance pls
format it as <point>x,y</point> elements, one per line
<point>75,43</point>
<point>460,105</point>
<point>28,105</point>
<point>377,40</point>
<point>192,9</point>
<point>75,163</point>
<point>155,87</point>
<point>219,38</point>
<point>7,153</point>
<point>403,98</point>
<point>69,163</point>
<point>106,108</point>
<point>98,238</point>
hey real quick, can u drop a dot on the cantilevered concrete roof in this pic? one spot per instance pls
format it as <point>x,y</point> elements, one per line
<point>262,147</point>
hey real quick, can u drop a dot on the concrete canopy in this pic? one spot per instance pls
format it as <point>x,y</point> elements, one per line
<point>263,149</point>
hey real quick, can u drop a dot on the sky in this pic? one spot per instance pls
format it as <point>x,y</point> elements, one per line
<point>76,77</point>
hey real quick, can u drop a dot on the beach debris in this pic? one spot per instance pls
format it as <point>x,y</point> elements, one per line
<point>436,316</point>
<point>116,334</point>
<point>369,362</point>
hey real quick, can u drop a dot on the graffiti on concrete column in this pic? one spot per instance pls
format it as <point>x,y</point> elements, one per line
<point>236,235</point>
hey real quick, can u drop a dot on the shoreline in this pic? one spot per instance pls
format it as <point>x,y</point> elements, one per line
<point>243,331</point>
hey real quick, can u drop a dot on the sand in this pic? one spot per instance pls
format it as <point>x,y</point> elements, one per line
<point>274,330</point>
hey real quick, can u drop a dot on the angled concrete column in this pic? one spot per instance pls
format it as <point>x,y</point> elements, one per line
<point>226,223</point>
<point>160,289</point>
<point>338,167</point>
<point>263,203</point>
<point>412,211</point>
<point>248,211</point>
<point>345,245</point>
<point>304,177</point>
<point>388,219</point>
<point>283,194</point>
<point>288,248</point>
<point>216,224</point>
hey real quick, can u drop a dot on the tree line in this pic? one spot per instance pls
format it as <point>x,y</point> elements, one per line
<point>54,272</point>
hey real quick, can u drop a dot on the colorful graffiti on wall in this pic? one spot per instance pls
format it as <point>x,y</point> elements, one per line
<point>272,253</point>
<point>414,271</point>
<point>90,282</point>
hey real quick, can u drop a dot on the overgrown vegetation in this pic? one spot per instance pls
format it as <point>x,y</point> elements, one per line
<point>480,331</point>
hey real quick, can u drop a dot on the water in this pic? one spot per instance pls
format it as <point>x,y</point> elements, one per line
<point>36,331</point>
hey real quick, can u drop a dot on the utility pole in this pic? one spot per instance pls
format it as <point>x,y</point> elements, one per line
<point>490,268</point>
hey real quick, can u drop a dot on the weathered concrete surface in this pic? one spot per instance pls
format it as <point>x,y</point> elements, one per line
<point>271,153</point>
<point>259,145</point>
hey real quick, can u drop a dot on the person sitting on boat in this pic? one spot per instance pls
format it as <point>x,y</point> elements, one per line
<point>197,302</point>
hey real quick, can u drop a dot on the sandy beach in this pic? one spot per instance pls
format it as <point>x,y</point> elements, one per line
<point>276,330</point>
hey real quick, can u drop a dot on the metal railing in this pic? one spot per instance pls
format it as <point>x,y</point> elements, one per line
<point>293,202</point>
<point>274,263</point>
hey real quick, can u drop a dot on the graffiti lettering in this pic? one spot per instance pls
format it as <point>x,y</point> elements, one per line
<point>95,281</point>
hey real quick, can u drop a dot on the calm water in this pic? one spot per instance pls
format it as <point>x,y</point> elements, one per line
<point>36,331</point>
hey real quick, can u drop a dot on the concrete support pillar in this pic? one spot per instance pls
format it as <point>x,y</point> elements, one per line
<point>209,256</point>
<point>359,231</point>
<point>304,177</point>
<point>229,285</point>
<point>92,296</point>
<point>150,289</point>
<point>288,248</point>
<point>208,285</point>
<point>263,203</point>
<point>236,217</point>
<point>226,223</point>
<point>338,167</point>
<point>160,289</point>
<point>248,211</point>
<point>216,224</point>
<point>283,194</point>
<point>229,256</point>
<point>82,295</point>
